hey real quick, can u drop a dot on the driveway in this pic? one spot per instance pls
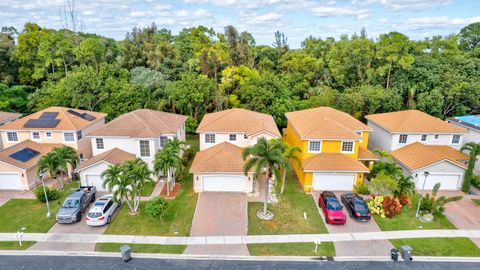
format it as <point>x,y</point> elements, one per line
<point>6,195</point>
<point>356,248</point>
<point>219,214</point>
<point>464,214</point>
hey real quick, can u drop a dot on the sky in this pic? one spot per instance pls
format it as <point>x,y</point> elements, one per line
<point>295,18</point>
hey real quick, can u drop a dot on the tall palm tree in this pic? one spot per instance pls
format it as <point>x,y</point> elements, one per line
<point>166,162</point>
<point>140,175</point>
<point>49,163</point>
<point>474,150</point>
<point>263,156</point>
<point>289,156</point>
<point>67,156</point>
<point>117,182</point>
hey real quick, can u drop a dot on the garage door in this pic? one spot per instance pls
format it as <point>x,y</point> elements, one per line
<point>447,181</point>
<point>333,181</point>
<point>224,183</point>
<point>95,180</point>
<point>10,181</point>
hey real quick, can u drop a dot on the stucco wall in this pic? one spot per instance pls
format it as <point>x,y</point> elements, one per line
<point>379,138</point>
<point>240,140</point>
<point>28,178</point>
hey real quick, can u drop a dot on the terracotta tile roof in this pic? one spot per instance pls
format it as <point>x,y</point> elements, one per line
<point>68,121</point>
<point>325,123</point>
<point>413,121</point>
<point>42,148</point>
<point>143,123</point>
<point>238,120</point>
<point>8,116</point>
<point>365,154</point>
<point>223,157</point>
<point>114,157</point>
<point>333,162</point>
<point>417,155</point>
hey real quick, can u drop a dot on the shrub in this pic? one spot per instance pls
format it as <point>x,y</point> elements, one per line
<point>157,207</point>
<point>476,181</point>
<point>405,200</point>
<point>375,204</point>
<point>434,205</point>
<point>52,194</point>
<point>191,125</point>
<point>391,206</point>
<point>188,155</point>
<point>362,189</point>
<point>383,184</point>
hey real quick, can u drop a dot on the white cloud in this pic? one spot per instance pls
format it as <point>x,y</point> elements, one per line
<point>416,5</point>
<point>418,23</point>
<point>334,11</point>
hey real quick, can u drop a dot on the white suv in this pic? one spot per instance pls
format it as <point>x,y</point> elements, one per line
<point>102,211</point>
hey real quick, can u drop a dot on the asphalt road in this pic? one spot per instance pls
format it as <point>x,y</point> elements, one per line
<point>104,263</point>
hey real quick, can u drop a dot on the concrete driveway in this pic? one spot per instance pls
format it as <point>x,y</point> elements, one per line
<point>464,214</point>
<point>219,214</point>
<point>356,248</point>
<point>6,195</point>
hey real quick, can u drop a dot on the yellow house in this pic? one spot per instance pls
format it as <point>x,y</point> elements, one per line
<point>334,148</point>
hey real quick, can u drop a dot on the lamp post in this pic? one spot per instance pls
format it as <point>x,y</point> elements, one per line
<point>49,214</point>
<point>426,174</point>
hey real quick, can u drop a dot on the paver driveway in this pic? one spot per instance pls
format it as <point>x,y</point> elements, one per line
<point>464,214</point>
<point>6,195</point>
<point>219,214</point>
<point>356,248</point>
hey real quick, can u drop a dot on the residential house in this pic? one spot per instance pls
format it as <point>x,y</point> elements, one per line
<point>223,135</point>
<point>5,118</point>
<point>472,124</point>
<point>334,148</point>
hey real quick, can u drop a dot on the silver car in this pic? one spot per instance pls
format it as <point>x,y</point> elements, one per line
<point>102,211</point>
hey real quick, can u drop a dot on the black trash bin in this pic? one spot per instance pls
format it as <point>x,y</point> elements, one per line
<point>394,254</point>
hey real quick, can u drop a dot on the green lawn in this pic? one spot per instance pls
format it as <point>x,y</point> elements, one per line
<point>30,213</point>
<point>141,248</point>
<point>178,219</point>
<point>292,249</point>
<point>288,212</point>
<point>13,245</point>
<point>407,221</point>
<point>193,141</point>
<point>440,246</point>
<point>148,189</point>
<point>476,201</point>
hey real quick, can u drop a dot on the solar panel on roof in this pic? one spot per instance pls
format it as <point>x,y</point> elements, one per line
<point>25,154</point>
<point>85,116</point>
<point>42,123</point>
<point>48,115</point>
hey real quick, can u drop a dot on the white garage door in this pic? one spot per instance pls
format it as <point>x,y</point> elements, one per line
<point>333,181</point>
<point>224,183</point>
<point>447,181</point>
<point>10,181</point>
<point>95,180</point>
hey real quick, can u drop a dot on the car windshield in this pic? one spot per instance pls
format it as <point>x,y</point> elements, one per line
<point>94,214</point>
<point>333,205</point>
<point>71,203</point>
<point>361,207</point>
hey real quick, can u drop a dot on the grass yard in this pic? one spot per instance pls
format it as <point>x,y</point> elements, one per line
<point>178,219</point>
<point>193,141</point>
<point>141,248</point>
<point>461,247</point>
<point>30,213</point>
<point>148,188</point>
<point>292,249</point>
<point>476,201</point>
<point>288,212</point>
<point>13,245</point>
<point>407,221</point>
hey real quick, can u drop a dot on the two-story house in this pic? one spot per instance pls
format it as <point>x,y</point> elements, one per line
<point>421,143</point>
<point>140,133</point>
<point>218,166</point>
<point>334,148</point>
<point>27,139</point>
<point>5,118</point>
<point>472,124</point>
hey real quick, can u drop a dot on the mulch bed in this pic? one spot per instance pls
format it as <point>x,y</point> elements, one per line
<point>173,193</point>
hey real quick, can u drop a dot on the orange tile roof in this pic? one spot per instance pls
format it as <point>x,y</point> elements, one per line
<point>325,123</point>
<point>68,121</point>
<point>221,158</point>
<point>238,120</point>
<point>365,154</point>
<point>413,121</point>
<point>417,155</point>
<point>334,162</point>
<point>114,157</point>
<point>42,148</point>
<point>142,123</point>
<point>8,116</point>
<point>450,152</point>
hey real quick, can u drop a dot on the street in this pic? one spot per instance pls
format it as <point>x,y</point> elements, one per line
<point>81,262</point>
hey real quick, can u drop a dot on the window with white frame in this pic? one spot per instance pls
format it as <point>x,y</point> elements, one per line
<point>424,137</point>
<point>456,139</point>
<point>209,138</point>
<point>12,136</point>
<point>79,135</point>
<point>163,141</point>
<point>435,137</point>
<point>314,146</point>
<point>99,143</point>
<point>144,148</point>
<point>245,136</point>
<point>48,135</point>
<point>68,137</point>
<point>347,147</point>
<point>402,138</point>
<point>35,135</point>
<point>233,137</point>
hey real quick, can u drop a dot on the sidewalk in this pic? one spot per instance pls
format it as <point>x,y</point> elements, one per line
<point>235,240</point>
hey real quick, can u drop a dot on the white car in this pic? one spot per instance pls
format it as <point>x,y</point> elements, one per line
<point>102,211</point>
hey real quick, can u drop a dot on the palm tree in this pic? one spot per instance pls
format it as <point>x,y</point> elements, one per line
<point>49,163</point>
<point>289,156</point>
<point>263,156</point>
<point>474,150</point>
<point>405,185</point>
<point>67,156</point>
<point>166,162</point>
<point>117,182</point>
<point>140,175</point>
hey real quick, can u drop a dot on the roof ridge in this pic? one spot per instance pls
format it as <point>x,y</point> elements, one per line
<point>161,121</point>
<point>147,126</point>
<point>225,113</point>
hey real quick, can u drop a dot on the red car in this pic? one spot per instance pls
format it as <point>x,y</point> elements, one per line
<point>332,208</point>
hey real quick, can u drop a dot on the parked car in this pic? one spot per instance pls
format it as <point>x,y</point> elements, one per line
<point>75,204</point>
<point>332,208</point>
<point>102,211</point>
<point>356,206</point>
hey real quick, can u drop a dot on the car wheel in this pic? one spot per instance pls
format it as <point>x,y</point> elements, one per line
<point>109,219</point>
<point>79,217</point>
<point>93,198</point>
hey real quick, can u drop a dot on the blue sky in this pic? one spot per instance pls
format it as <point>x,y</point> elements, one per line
<point>297,19</point>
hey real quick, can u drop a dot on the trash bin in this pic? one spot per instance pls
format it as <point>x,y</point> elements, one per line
<point>126,252</point>
<point>394,254</point>
<point>406,252</point>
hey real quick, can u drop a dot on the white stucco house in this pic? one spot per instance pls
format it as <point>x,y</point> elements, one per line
<point>472,124</point>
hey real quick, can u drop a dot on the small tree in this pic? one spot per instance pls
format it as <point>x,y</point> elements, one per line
<point>474,150</point>
<point>405,185</point>
<point>49,163</point>
<point>383,184</point>
<point>157,207</point>
<point>289,156</point>
<point>436,205</point>
<point>67,156</point>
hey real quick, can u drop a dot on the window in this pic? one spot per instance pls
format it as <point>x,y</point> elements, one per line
<point>48,135</point>
<point>163,141</point>
<point>359,133</point>
<point>245,136</point>
<point>68,137</point>
<point>456,139</point>
<point>79,135</point>
<point>435,137</point>
<point>35,135</point>
<point>233,137</point>
<point>144,148</point>
<point>424,137</point>
<point>12,136</point>
<point>347,147</point>
<point>314,146</point>
<point>99,143</point>
<point>209,138</point>
<point>81,156</point>
<point>403,138</point>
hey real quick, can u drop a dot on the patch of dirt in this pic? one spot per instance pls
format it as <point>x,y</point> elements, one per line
<point>172,194</point>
